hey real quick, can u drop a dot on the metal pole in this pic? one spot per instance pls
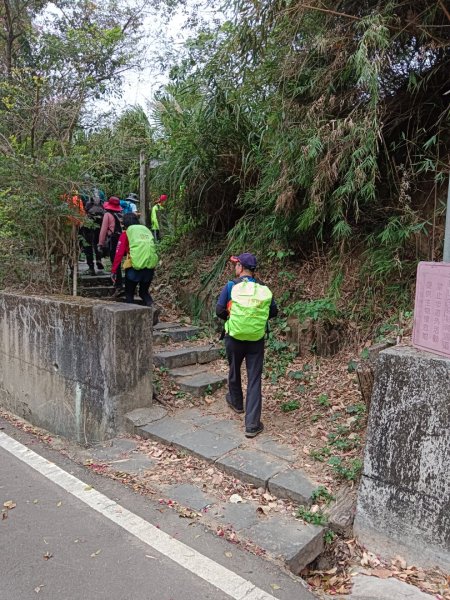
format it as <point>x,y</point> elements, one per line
<point>446,257</point>
<point>75,253</point>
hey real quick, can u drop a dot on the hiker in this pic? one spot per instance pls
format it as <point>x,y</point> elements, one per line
<point>246,304</point>
<point>158,205</point>
<point>129,204</point>
<point>109,236</point>
<point>95,212</point>
<point>76,218</point>
<point>137,243</point>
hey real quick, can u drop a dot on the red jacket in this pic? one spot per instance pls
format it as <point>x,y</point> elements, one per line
<point>123,247</point>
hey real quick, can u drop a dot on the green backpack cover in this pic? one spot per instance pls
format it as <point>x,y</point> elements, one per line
<point>142,247</point>
<point>249,311</point>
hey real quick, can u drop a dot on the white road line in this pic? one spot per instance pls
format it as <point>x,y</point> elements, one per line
<point>220,577</point>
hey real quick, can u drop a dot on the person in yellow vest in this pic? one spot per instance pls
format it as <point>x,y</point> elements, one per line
<point>137,244</point>
<point>246,305</point>
<point>158,205</point>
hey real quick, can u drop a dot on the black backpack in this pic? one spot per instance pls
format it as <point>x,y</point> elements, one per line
<point>95,212</point>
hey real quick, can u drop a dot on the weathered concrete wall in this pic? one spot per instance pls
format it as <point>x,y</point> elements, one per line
<point>74,366</point>
<point>404,497</point>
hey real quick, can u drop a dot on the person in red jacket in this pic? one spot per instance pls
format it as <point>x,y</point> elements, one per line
<point>137,244</point>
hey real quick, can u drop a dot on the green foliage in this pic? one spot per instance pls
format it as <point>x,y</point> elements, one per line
<point>323,400</point>
<point>352,366</point>
<point>321,494</point>
<point>51,69</point>
<point>322,308</point>
<point>285,141</point>
<point>322,454</point>
<point>329,536</point>
<point>356,409</point>
<point>348,470</point>
<point>315,518</point>
<point>290,406</point>
<point>364,354</point>
<point>279,355</point>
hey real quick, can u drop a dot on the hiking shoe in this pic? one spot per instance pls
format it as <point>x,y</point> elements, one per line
<point>254,431</point>
<point>239,411</point>
<point>100,267</point>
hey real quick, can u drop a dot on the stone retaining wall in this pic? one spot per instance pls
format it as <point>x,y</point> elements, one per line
<point>74,366</point>
<point>404,497</point>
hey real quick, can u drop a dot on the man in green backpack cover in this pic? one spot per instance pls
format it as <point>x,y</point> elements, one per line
<point>246,304</point>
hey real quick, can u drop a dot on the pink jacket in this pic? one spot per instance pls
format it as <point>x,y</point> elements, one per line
<point>107,227</point>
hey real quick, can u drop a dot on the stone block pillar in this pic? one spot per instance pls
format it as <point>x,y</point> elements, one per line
<point>404,496</point>
<point>74,366</point>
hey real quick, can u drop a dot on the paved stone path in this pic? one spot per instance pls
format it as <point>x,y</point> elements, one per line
<point>279,536</point>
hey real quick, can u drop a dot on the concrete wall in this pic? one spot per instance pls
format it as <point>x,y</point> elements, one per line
<point>74,366</point>
<point>404,497</point>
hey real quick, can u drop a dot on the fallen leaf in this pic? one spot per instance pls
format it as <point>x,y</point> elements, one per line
<point>95,553</point>
<point>265,510</point>
<point>150,556</point>
<point>228,554</point>
<point>48,556</point>
<point>235,498</point>
<point>400,562</point>
<point>275,586</point>
<point>38,588</point>
<point>9,504</point>
<point>59,504</point>
<point>382,573</point>
<point>268,497</point>
<point>185,513</point>
<point>35,501</point>
<point>87,488</point>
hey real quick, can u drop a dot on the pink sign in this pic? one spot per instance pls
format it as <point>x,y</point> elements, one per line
<point>432,308</point>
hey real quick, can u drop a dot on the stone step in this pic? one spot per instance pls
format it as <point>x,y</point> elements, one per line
<point>189,355</point>
<point>165,325</point>
<point>98,280</point>
<point>175,333</point>
<point>222,441</point>
<point>97,292</point>
<point>213,439</point>
<point>201,383</point>
<point>188,371</point>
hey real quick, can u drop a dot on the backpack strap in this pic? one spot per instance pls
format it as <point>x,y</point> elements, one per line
<point>117,225</point>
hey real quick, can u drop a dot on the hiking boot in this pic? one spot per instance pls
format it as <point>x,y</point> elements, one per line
<point>100,267</point>
<point>239,411</point>
<point>91,271</point>
<point>254,431</point>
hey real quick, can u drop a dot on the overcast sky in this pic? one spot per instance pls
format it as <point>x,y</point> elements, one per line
<point>141,84</point>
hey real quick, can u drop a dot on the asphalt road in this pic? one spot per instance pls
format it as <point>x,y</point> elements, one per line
<point>55,546</point>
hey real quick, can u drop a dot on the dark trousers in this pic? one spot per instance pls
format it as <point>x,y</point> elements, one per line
<point>143,278</point>
<point>89,243</point>
<point>253,352</point>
